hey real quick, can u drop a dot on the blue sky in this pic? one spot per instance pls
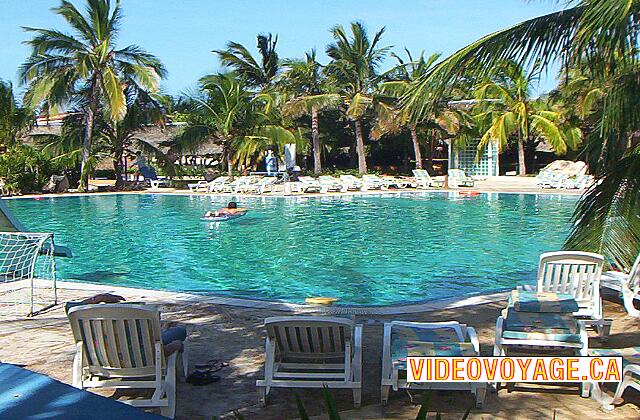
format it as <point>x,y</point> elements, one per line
<point>183,32</point>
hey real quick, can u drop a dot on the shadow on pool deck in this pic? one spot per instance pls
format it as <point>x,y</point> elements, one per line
<point>236,335</point>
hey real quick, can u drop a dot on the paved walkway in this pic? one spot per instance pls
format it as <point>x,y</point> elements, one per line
<point>235,334</point>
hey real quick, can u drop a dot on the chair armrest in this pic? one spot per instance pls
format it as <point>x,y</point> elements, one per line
<point>473,338</point>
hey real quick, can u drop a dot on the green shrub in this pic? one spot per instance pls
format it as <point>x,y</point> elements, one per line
<point>24,169</point>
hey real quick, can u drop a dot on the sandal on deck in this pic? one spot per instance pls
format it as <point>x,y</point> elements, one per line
<point>199,378</point>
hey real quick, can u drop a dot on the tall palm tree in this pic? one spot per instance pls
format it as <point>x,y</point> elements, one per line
<point>262,72</point>
<point>86,68</point>
<point>308,85</point>
<point>402,76</point>
<point>512,111</point>
<point>605,34</point>
<point>229,112</point>
<point>354,65</point>
<point>14,119</point>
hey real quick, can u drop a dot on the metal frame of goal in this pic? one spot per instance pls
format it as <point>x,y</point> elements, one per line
<point>27,272</point>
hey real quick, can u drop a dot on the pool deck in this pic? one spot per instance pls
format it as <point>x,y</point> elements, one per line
<point>234,333</point>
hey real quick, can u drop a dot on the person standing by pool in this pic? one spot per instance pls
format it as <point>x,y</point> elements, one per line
<point>232,210</point>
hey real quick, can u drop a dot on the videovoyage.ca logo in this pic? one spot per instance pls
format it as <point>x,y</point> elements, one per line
<point>514,369</point>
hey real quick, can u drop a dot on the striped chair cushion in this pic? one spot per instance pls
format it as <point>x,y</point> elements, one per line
<point>532,301</point>
<point>630,355</point>
<point>541,326</point>
<point>412,341</point>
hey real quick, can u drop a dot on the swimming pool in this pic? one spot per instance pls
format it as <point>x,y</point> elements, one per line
<point>364,250</point>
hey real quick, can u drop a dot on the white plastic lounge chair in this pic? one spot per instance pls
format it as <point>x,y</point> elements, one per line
<point>351,183</point>
<point>402,339</point>
<point>580,182</point>
<point>627,284</point>
<point>200,186</point>
<point>236,184</point>
<point>424,180</point>
<point>312,352</point>
<point>578,274</point>
<point>330,183</point>
<point>457,178</point>
<point>534,331</point>
<point>373,182</point>
<point>554,180</point>
<point>120,346</point>
<point>310,184</point>
<point>263,185</point>
<point>208,186</point>
<point>543,178</point>
<point>630,375</point>
<point>397,182</point>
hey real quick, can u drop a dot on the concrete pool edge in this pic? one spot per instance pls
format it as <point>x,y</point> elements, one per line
<point>217,299</point>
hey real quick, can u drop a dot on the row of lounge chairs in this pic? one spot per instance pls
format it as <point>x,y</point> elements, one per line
<point>560,180</point>
<point>326,183</point>
<point>120,346</point>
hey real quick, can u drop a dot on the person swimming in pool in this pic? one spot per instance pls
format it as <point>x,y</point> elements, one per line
<point>232,209</point>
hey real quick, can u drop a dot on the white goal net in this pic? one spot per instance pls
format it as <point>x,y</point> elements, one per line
<point>27,272</point>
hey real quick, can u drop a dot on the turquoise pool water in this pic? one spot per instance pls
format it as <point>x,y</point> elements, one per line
<point>365,250</point>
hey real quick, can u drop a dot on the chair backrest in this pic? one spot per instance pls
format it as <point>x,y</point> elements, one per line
<point>349,178</point>
<point>327,178</point>
<point>118,339</point>
<point>307,179</point>
<point>310,335</point>
<point>574,272</point>
<point>220,180</point>
<point>634,276</point>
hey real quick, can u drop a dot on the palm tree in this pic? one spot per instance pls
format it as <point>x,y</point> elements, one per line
<point>512,111</point>
<point>14,119</point>
<point>110,140</point>
<point>402,76</point>
<point>604,34</point>
<point>260,73</point>
<point>305,79</point>
<point>229,112</point>
<point>86,68</point>
<point>355,60</point>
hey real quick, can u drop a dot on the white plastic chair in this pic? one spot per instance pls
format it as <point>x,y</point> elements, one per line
<point>350,182</point>
<point>424,180</point>
<point>312,352</point>
<point>120,346</point>
<point>457,178</point>
<point>627,284</point>
<point>578,274</point>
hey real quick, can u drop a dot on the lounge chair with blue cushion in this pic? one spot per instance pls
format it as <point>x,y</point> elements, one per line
<point>578,274</point>
<point>630,375</point>
<point>457,178</point>
<point>424,180</point>
<point>402,339</point>
<point>351,182</point>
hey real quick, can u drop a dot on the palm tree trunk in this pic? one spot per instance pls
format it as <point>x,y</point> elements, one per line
<point>362,161</point>
<point>315,136</point>
<point>416,147</point>
<point>117,166</point>
<point>522,169</point>
<point>87,136</point>
<point>229,168</point>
